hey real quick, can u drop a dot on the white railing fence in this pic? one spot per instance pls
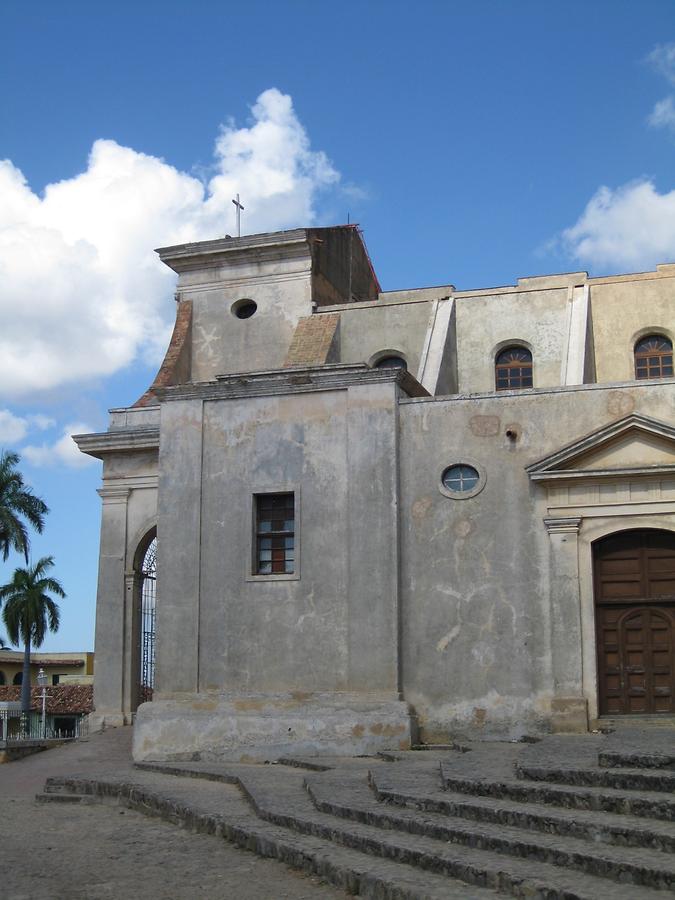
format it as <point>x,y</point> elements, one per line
<point>16,728</point>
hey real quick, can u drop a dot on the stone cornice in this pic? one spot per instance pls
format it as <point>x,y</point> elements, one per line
<point>296,380</point>
<point>563,524</point>
<point>185,257</point>
<point>99,445</point>
<point>589,474</point>
<point>114,494</point>
<point>131,483</point>
<point>559,466</point>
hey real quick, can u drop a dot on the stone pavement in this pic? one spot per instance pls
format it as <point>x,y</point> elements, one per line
<point>105,852</point>
<point>587,817</point>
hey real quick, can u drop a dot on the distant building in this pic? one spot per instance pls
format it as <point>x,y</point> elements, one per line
<point>61,668</point>
<point>383,515</point>
<point>65,707</point>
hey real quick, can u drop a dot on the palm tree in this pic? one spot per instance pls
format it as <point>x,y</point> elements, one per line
<point>17,502</point>
<point>28,612</point>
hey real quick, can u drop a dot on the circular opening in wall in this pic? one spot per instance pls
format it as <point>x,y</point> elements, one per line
<point>244,309</point>
<point>461,481</point>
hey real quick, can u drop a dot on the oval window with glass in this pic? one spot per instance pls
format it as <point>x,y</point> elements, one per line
<point>460,479</point>
<point>654,357</point>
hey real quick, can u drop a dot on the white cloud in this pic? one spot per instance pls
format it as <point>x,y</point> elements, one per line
<point>12,428</point>
<point>630,228</point>
<point>15,428</point>
<point>663,114</point>
<point>63,451</point>
<point>82,294</point>
<point>41,422</point>
<point>662,58</point>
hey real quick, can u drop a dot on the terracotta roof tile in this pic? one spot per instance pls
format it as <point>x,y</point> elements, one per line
<point>61,698</point>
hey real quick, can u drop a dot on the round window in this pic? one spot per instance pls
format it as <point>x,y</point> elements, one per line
<point>461,481</point>
<point>244,309</point>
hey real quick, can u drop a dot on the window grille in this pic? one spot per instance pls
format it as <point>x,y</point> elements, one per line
<point>275,534</point>
<point>654,357</point>
<point>513,369</point>
<point>147,611</point>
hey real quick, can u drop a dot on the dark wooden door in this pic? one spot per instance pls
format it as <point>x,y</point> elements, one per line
<point>635,622</point>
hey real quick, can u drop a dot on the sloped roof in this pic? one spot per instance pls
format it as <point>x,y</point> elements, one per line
<point>62,699</point>
<point>37,659</point>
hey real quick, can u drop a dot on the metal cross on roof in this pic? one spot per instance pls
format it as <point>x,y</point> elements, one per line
<point>239,209</point>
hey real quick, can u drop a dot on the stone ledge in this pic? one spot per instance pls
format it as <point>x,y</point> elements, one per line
<point>258,727</point>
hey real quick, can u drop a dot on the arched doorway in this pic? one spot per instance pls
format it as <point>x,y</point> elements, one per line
<point>634,589</point>
<point>146,569</point>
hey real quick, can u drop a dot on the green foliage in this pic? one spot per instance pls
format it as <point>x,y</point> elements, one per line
<point>17,502</point>
<point>28,609</point>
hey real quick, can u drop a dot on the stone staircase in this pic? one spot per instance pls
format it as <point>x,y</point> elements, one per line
<point>569,817</point>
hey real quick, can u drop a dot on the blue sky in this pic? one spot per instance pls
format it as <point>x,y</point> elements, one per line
<point>474,142</point>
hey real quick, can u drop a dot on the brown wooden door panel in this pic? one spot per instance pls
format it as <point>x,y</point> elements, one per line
<point>636,637</point>
<point>635,565</point>
<point>636,660</point>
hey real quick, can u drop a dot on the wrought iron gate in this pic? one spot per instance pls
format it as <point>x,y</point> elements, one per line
<point>147,629</point>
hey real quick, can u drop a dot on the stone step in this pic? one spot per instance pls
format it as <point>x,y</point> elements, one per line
<point>64,798</point>
<point>283,801</point>
<point>619,830</point>
<point>647,804</point>
<point>637,759</point>
<point>518,876</point>
<point>641,748</point>
<point>631,723</point>
<point>632,779</point>
<point>374,878</point>
<point>348,798</point>
<point>55,786</point>
<point>303,762</point>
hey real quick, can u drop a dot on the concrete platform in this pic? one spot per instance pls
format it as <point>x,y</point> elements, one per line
<point>250,727</point>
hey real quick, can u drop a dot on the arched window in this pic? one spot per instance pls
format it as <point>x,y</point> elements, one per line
<point>18,678</point>
<point>653,357</point>
<point>513,369</point>
<point>2,677</point>
<point>147,610</point>
<point>391,362</point>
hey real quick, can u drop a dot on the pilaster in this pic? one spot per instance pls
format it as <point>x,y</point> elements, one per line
<point>568,706</point>
<point>574,357</point>
<point>111,665</point>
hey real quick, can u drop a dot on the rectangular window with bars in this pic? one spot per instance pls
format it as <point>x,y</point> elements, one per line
<point>274,534</point>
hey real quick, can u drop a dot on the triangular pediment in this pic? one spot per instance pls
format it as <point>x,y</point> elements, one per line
<point>634,445</point>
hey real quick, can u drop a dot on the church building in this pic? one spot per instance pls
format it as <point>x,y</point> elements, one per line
<point>342,519</point>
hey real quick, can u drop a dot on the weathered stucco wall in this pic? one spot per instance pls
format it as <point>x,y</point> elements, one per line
<point>223,343</point>
<point>536,319</point>
<point>129,511</point>
<point>624,310</point>
<point>491,625</point>
<point>368,331</point>
<point>333,626</point>
<point>478,610</point>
